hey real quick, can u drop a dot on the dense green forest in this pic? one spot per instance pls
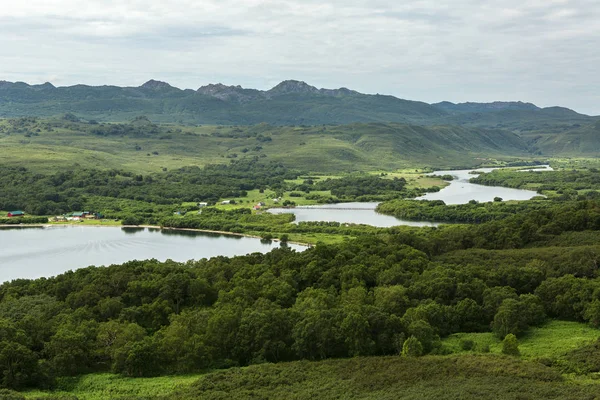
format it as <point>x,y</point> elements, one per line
<point>395,291</point>
<point>69,190</point>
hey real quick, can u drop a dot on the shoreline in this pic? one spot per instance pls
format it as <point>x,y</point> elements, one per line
<point>166,228</point>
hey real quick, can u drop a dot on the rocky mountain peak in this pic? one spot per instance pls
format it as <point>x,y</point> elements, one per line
<point>156,85</point>
<point>292,86</point>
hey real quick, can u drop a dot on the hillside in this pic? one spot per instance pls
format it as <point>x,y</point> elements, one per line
<point>575,140</point>
<point>144,146</point>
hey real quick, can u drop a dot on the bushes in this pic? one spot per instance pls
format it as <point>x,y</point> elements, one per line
<point>23,220</point>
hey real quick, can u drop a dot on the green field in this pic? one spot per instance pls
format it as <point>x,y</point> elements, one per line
<point>552,340</point>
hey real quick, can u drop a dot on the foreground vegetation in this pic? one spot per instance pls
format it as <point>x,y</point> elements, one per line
<point>465,377</point>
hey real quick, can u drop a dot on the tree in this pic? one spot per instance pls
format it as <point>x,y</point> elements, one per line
<point>510,345</point>
<point>18,365</point>
<point>412,348</point>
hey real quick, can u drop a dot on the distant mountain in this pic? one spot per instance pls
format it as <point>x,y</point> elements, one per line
<point>288,103</point>
<point>291,102</point>
<point>484,107</point>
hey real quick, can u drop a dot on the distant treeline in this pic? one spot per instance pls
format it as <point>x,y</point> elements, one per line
<point>566,183</point>
<point>472,212</point>
<point>67,191</point>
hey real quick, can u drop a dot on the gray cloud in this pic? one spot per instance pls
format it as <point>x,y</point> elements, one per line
<point>543,51</point>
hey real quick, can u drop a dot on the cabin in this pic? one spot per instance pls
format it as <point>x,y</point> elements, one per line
<point>201,205</point>
<point>226,202</point>
<point>78,216</point>
<point>15,214</point>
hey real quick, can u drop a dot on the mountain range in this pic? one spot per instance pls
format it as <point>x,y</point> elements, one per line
<point>547,131</point>
<point>288,103</point>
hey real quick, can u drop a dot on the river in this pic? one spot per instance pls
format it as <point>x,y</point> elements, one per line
<point>36,252</point>
<point>459,191</point>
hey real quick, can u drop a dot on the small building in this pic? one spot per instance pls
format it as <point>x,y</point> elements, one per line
<point>225,202</point>
<point>203,204</point>
<point>16,214</point>
<point>59,218</point>
<point>257,207</point>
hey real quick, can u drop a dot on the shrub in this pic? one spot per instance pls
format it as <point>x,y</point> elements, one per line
<point>412,348</point>
<point>510,345</point>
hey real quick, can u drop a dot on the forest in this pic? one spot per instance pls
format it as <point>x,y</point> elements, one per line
<point>391,292</point>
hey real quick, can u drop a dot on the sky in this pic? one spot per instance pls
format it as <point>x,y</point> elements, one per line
<point>542,51</point>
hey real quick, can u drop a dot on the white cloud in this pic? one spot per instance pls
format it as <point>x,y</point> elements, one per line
<point>462,50</point>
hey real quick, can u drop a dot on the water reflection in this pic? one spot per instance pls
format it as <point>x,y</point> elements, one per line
<point>35,252</point>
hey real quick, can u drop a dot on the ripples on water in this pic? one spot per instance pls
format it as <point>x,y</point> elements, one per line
<point>31,253</point>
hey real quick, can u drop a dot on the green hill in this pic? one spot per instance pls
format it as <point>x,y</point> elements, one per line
<point>144,146</point>
<point>574,140</point>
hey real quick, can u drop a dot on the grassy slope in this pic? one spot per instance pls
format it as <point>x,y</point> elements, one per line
<point>323,149</point>
<point>459,376</point>
<point>571,141</point>
<point>552,340</point>
<point>432,377</point>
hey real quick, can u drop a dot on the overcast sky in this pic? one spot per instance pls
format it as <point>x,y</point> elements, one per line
<point>542,51</point>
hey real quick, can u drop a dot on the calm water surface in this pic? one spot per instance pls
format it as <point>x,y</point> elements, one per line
<point>355,213</point>
<point>460,191</point>
<point>37,252</point>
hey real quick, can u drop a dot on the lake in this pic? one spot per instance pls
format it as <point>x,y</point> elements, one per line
<point>355,213</point>
<point>36,252</point>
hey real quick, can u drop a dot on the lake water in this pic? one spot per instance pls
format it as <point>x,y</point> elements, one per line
<point>355,213</point>
<point>37,252</point>
<point>461,191</point>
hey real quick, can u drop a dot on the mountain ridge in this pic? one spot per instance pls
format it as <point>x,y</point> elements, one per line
<point>291,102</point>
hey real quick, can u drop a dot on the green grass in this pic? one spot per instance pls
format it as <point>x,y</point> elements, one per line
<point>332,149</point>
<point>552,340</point>
<point>465,376</point>
<point>110,386</point>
